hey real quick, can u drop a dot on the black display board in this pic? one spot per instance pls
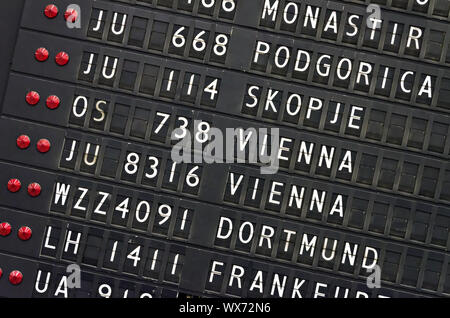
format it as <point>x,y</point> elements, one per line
<point>92,93</point>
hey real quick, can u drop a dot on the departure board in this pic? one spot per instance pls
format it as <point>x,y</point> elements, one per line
<point>225,149</point>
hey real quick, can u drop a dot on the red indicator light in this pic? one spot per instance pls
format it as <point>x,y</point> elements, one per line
<point>1,273</point>
<point>32,98</point>
<point>5,229</point>
<point>51,11</point>
<point>15,277</point>
<point>14,185</point>
<point>23,141</point>
<point>62,58</point>
<point>24,233</point>
<point>41,54</point>
<point>34,189</point>
<point>43,145</point>
<point>71,14</point>
<point>53,102</point>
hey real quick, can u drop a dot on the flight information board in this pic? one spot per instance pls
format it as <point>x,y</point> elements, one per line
<point>225,148</point>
